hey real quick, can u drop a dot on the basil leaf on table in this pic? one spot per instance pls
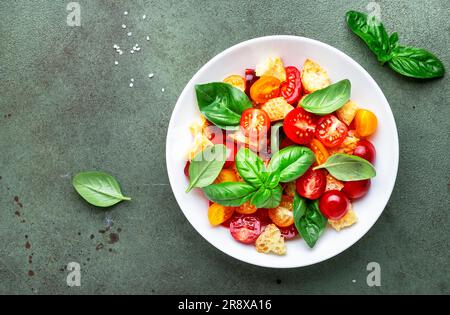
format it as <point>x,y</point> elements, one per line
<point>292,162</point>
<point>275,137</point>
<point>267,197</point>
<point>221,103</point>
<point>251,167</point>
<point>230,194</point>
<point>98,188</point>
<point>327,100</point>
<point>372,32</point>
<point>206,166</point>
<point>416,63</point>
<point>347,167</point>
<point>311,224</point>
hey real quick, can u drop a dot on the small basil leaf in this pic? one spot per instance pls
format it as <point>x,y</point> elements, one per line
<point>312,224</point>
<point>251,167</point>
<point>372,32</point>
<point>347,167</point>
<point>230,194</point>
<point>221,103</point>
<point>300,207</point>
<point>275,137</point>
<point>292,162</point>
<point>393,41</point>
<point>267,198</point>
<point>416,63</point>
<point>206,166</point>
<point>273,179</point>
<point>327,100</point>
<point>98,188</point>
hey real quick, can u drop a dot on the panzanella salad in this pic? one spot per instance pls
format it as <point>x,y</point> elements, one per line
<point>280,153</point>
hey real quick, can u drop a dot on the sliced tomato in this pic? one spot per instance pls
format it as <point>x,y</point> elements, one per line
<point>320,151</point>
<point>245,228</point>
<point>291,89</point>
<point>264,89</point>
<point>186,168</point>
<point>312,184</point>
<point>331,131</point>
<point>286,143</point>
<point>300,126</point>
<point>255,122</point>
<point>289,232</point>
<point>263,216</point>
<point>250,78</point>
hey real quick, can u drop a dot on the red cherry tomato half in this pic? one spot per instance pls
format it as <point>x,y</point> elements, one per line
<point>334,204</point>
<point>245,228</point>
<point>263,216</point>
<point>186,169</point>
<point>286,143</point>
<point>289,232</point>
<point>300,126</point>
<point>312,184</point>
<point>250,78</point>
<point>331,131</point>
<point>291,89</point>
<point>356,189</point>
<point>255,122</point>
<point>366,150</point>
<point>232,150</point>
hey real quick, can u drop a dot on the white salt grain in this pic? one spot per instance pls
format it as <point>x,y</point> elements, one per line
<point>129,33</point>
<point>131,85</point>
<point>151,75</point>
<point>116,62</point>
<point>144,17</point>
<point>125,13</point>
<point>124,26</point>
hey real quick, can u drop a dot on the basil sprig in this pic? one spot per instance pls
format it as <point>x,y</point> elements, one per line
<point>408,61</point>
<point>308,220</point>
<point>327,100</point>
<point>262,185</point>
<point>221,103</point>
<point>347,167</point>
<point>206,166</point>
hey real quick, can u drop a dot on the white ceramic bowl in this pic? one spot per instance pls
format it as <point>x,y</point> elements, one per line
<point>293,50</point>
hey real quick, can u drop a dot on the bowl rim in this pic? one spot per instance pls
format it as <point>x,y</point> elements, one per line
<point>341,54</point>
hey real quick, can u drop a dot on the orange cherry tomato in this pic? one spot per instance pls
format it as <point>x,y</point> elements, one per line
<point>365,122</point>
<point>320,151</point>
<point>246,208</point>
<point>226,175</point>
<point>237,81</point>
<point>264,89</point>
<point>255,122</point>
<point>218,214</point>
<point>282,215</point>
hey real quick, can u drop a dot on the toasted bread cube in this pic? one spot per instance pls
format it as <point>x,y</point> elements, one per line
<point>348,220</point>
<point>200,143</point>
<point>198,126</point>
<point>314,77</point>
<point>347,112</point>
<point>349,144</point>
<point>237,81</point>
<point>271,241</point>
<point>253,143</point>
<point>277,108</point>
<point>333,184</point>
<point>272,66</point>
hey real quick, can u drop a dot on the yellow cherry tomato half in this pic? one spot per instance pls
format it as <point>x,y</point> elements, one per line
<point>237,81</point>
<point>218,214</point>
<point>226,175</point>
<point>320,151</point>
<point>365,123</point>
<point>264,89</point>
<point>282,215</point>
<point>246,208</point>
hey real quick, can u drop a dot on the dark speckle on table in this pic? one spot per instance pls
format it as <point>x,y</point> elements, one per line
<point>113,238</point>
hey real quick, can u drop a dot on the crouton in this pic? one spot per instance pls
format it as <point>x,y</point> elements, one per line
<point>200,143</point>
<point>272,66</point>
<point>314,77</point>
<point>347,112</point>
<point>237,81</point>
<point>349,144</point>
<point>271,241</point>
<point>277,108</point>
<point>348,220</point>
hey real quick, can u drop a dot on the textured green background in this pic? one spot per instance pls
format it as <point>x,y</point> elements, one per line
<point>65,108</point>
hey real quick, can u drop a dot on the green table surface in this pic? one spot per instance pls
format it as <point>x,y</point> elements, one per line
<point>65,107</point>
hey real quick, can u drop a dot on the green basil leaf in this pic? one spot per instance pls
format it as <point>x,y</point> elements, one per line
<point>99,189</point>
<point>273,179</point>
<point>206,166</point>
<point>372,32</point>
<point>230,194</point>
<point>347,167</point>
<point>300,207</point>
<point>327,100</point>
<point>251,167</point>
<point>393,41</point>
<point>416,63</point>
<point>267,198</point>
<point>221,103</point>
<point>275,136</point>
<point>292,162</point>
<point>311,224</point>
